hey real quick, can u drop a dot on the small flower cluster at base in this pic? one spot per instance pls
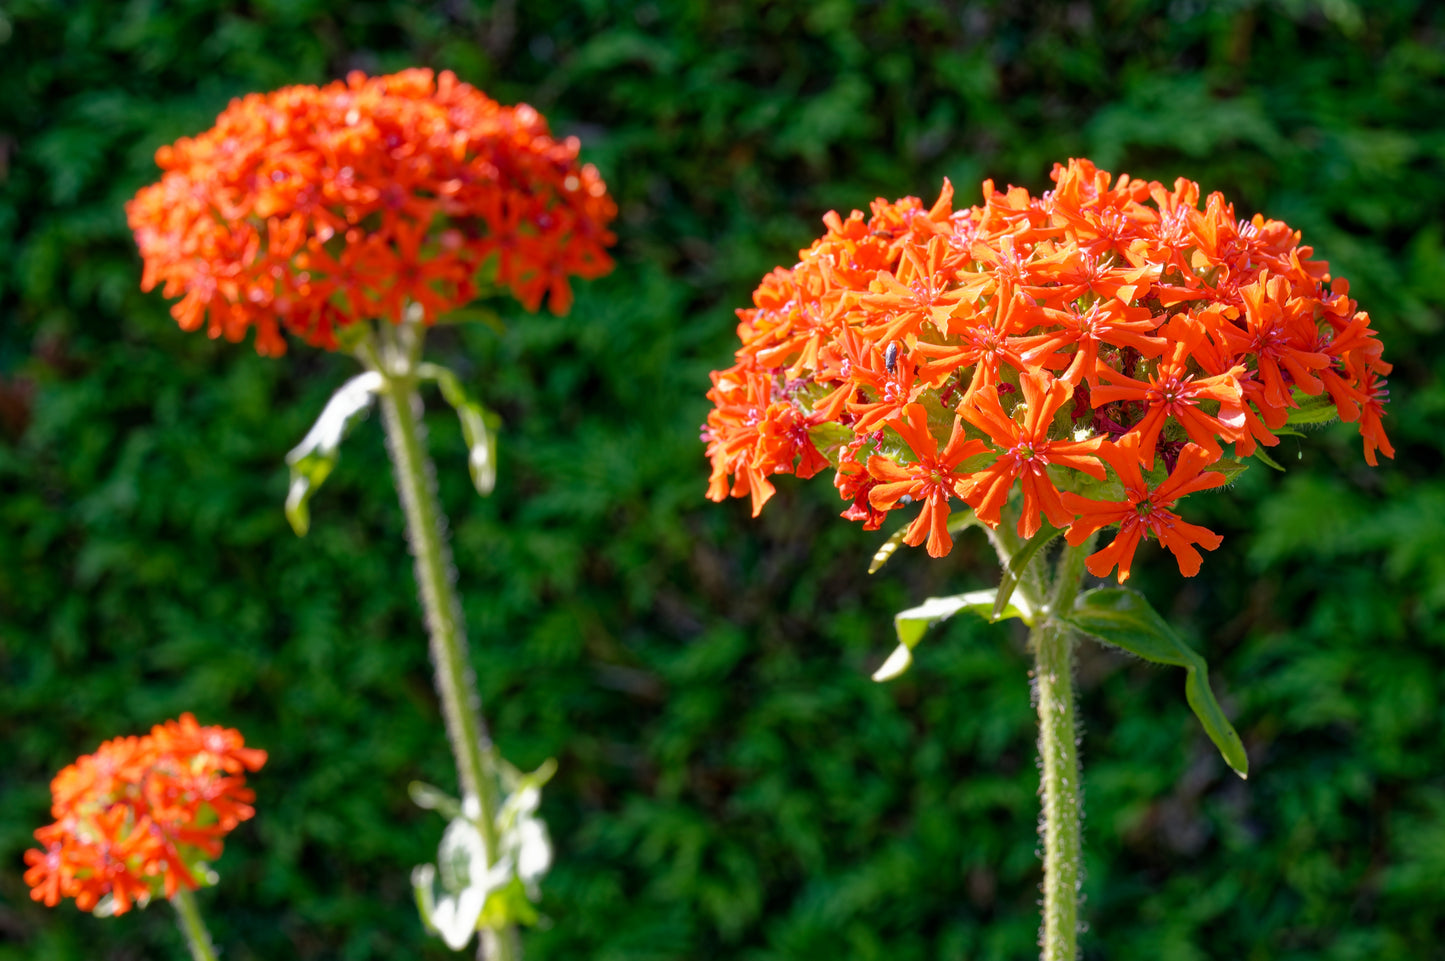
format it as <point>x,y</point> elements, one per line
<point>1097,348</point>
<point>140,815</point>
<point>315,208</point>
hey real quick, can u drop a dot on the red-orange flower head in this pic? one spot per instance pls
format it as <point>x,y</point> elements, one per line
<point>314,208</point>
<point>141,815</point>
<point>1095,349</point>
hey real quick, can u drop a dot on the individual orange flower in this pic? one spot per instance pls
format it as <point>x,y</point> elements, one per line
<point>855,484</point>
<point>1175,391</point>
<point>1373,409</point>
<point>923,290</point>
<point>1280,331</point>
<point>309,209</point>
<point>1144,510</point>
<point>208,747</point>
<point>1028,453</point>
<point>980,341</point>
<point>932,478</point>
<point>1176,327</point>
<point>1107,322</point>
<point>743,400</point>
<point>137,817</point>
<point>883,389</point>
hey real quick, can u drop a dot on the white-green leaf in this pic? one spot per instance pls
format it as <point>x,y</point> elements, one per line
<point>466,881</point>
<point>887,549</point>
<point>462,858</point>
<point>311,460</point>
<point>462,892</point>
<point>913,623</point>
<point>524,838</point>
<point>456,916</point>
<point>479,426</point>
<point>105,907</point>
<point>453,915</point>
<point>1123,618</point>
<point>534,851</point>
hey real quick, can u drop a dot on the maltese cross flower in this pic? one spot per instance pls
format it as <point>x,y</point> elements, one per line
<point>311,209</point>
<point>1176,328</point>
<point>141,815</point>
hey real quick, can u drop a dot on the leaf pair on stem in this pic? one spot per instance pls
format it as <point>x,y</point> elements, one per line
<point>1116,616</point>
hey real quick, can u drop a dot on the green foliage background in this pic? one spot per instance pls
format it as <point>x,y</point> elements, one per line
<point>732,785</point>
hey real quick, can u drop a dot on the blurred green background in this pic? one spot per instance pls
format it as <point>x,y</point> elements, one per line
<point>732,785</point>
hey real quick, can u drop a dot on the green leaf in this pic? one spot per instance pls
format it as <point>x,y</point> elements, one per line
<point>913,623</point>
<point>1017,565</point>
<point>1265,459</point>
<point>1314,410</point>
<point>423,887</point>
<point>351,336</point>
<point>957,521</point>
<point>311,460</point>
<point>1123,618</point>
<point>1068,479</point>
<point>1230,468</point>
<point>432,798</point>
<point>523,788</point>
<point>508,904</point>
<point>474,314</point>
<point>479,426</point>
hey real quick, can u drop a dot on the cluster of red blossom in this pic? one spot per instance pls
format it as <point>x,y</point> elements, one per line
<point>1105,338</point>
<point>136,817</point>
<point>317,208</point>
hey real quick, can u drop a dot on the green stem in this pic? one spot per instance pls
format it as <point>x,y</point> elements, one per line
<point>476,761</point>
<point>1052,643</point>
<point>188,915</point>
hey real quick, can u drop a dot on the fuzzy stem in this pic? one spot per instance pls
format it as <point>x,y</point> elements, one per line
<point>188,916</point>
<point>1052,642</point>
<point>476,760</point>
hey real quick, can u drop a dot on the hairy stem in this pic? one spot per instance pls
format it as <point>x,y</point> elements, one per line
<point>476,761</point>
<point>188,916</point>
<point>1052,642</point>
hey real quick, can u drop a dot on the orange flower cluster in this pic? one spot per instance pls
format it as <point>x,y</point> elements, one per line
<point>139,815</point>
<point>316,208</point>
<point>1096,348</point>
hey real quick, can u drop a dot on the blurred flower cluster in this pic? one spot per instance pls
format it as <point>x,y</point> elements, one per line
<point>141,815</point>
<point>1098,348</point>
<point>314,208</point>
